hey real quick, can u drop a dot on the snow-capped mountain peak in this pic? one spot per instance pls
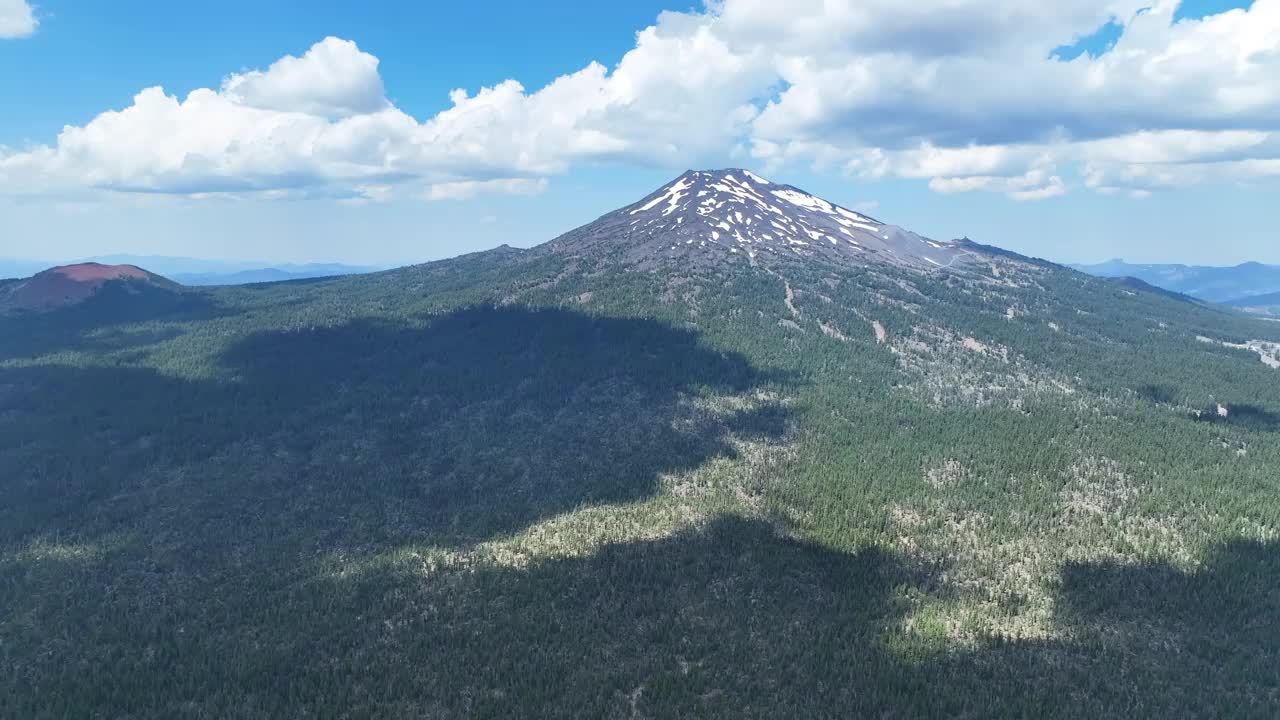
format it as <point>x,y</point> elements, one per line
<point>705,215</point>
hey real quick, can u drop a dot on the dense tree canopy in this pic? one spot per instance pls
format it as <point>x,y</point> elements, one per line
<point>519,484</point>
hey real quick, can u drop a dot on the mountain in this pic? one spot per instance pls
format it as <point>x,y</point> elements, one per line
<point>197,271</point>
<point>655,467</point>
<point>1268,304</point>
<point>1144,286</point>
<point>708,217</point>
<point>271,274</point>
<point>70,285</point>
<point>1215,284</point>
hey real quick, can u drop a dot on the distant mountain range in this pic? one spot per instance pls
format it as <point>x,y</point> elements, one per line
<point>269,274</point>
<point>196,271</point>
<point>1230,285</point>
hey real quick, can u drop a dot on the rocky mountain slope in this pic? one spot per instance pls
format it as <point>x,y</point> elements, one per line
<point>807,465</point>
<point>712,217</point>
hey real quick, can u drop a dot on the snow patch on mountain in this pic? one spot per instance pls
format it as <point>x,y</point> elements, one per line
<point>704,213</point>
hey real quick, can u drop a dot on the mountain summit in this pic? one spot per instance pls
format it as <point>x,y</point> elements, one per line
<point>68,285</point>
<point>712,216</point>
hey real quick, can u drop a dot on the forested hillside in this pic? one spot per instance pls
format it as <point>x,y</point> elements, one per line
<point>565,483</point>
<point>1266,305</point>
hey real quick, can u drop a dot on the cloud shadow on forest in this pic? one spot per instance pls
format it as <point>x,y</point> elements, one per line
<point>475,424</point>
<point>733,618</point>
<point>196,507</point>
<point>738,619</point>
<point>116,319</point>
<point>1243,415</point>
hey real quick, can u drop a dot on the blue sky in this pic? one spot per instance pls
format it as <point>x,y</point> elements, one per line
<point>87,57</point>
<point>1105,129</point>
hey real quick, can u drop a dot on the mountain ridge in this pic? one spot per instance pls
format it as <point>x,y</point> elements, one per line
<point>1266,305</point>
<point>1205,282</point>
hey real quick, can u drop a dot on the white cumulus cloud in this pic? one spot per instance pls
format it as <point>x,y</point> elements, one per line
<point>470,188</point>
<point>994,113</point>
<point>17,19</point>
<point>334,78</point>
<point>965,95</point>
